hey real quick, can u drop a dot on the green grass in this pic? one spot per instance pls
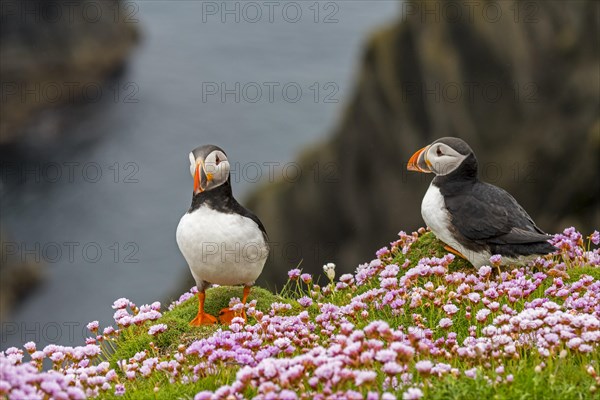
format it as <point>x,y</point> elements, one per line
<point>576,273</point>
<point>429,246</point>
<point>566,381</point>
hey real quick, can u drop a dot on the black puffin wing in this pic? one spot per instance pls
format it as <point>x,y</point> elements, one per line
<point>490,214</point>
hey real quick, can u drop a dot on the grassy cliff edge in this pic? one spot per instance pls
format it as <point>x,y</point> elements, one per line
<point>413,323</point>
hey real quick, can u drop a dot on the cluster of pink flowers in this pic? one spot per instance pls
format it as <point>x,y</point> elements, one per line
<point>386,331</point>
<point>77,373</point>
<point>138,316</point>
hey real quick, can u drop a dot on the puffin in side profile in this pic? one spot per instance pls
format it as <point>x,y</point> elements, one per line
<point>475,219</point>
<point>222,242</point>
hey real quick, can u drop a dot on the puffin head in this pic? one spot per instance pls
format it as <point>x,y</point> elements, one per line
<point>209,167</point>
<point>443,157</point>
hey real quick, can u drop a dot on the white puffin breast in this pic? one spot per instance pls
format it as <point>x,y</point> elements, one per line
<point>437,218</point>
<point>221,248</point>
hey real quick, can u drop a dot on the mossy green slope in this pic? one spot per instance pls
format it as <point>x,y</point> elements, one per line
<point>135,339</point>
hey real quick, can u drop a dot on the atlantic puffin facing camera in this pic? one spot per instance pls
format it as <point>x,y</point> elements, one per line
<point>222,242</point>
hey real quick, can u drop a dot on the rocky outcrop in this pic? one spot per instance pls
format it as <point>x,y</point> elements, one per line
<point>53,56</point>
<point>521,87</point>
<point>17,276</point>
<point>58,53</point>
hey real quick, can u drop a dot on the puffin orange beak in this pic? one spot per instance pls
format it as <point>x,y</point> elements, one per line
<point>201,178</point>
<point>418,162</point>
<point>197,187</point>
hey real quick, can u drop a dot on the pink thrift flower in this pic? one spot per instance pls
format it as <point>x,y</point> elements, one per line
<point>386,355</point>
<point>384,251</point>
<point>294,274</point>
<point>450,309</point>
<point>485,271</point>
<point>30,347</point>
<point>496,260</point>
<point>111,375</point>
<point>109,330</point>
<point>412,394</point>
<point>445,323</point>
<point>120,304</point>
<point>305,301</point>
<point>204,395</point>
<point>93,326</point>
<point>585,348</point>
<point>392,368</point>
<point>347,279</point>
<point>364,376</point>
<point>119,389</point>
<point>595,237</point>
<point>287,394</point>
<point>424,366</point>
<point>120,313</point>
<point>91,350</point>
<point>482,314</point>
<point>156,329</point>
<point>471,373</point>
<point>58,356</point>
<point>474,297</point>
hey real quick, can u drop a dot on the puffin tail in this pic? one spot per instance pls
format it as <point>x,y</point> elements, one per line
<point>523,249</point>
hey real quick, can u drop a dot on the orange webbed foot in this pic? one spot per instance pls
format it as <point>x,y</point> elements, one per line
<point>226,315</point>
<point>203,319</point>
<point>453,251</point>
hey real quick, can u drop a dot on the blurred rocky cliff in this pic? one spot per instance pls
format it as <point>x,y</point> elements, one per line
<point>519,81</point>
<point>54,54</point>
<point>17,276</point>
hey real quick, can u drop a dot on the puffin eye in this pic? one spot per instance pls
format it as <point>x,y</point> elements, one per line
<point>217,160</point>
<point>439,152</point>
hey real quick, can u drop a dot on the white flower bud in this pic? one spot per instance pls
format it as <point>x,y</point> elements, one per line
<point>563,353</point>
<point>329,270</point>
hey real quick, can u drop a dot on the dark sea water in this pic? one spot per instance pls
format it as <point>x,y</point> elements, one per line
<point>102,207</point>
